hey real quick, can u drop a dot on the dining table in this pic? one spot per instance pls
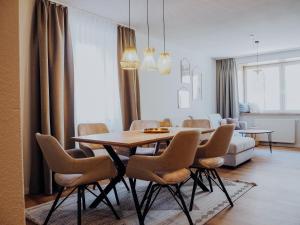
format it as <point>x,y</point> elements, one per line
<point>130,140</point>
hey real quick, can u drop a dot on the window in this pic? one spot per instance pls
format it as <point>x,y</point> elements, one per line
<point>95,70</point>
<point>274,89</point>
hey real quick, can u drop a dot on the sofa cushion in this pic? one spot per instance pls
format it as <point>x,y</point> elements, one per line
<point>240,144</point>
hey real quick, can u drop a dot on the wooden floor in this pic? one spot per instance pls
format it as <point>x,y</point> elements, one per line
<point>274,201</point>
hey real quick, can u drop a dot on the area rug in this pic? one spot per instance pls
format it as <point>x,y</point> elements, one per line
<point>164,211</point>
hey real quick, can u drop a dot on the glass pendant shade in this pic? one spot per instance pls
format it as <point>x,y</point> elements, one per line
<point>164,63</point>
<point>149,63</point>
<point>130,59</point>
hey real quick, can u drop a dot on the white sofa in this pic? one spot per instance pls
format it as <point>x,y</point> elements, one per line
<point>240,149</point>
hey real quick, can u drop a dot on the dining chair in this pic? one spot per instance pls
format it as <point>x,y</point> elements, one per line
<point>198,123</point>
<point>97,149</point>
<point>166,123</point>
<point>167,170</point>
<point>75,173</point>
<point>141,125</point>
<point>209,157</point>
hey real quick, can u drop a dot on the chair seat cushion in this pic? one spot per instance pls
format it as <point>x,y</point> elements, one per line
<point>145,151</point>
<point>67,180</point>
<point>175,177</point>
<point>139,151</point>
<point>209,163</point>
<point>103,152</point>
<point>240,144</point>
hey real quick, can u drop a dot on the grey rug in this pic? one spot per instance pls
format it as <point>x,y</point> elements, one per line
<point>164,211</point>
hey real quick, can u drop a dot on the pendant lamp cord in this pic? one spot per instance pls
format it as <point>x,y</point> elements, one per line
<point>129,24</point>
<point>164,26</point>
<point>148,22</point>
<point>257,43</point>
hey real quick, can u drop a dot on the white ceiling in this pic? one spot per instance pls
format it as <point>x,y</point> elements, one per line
<point>221,28</point>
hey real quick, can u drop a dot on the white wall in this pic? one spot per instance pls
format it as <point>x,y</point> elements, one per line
<point>159,93</point>
<point>272,57</point>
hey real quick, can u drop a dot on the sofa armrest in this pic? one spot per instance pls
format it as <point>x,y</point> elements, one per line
<point>243,125</point>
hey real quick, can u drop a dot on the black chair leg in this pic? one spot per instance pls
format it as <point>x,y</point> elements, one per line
<point>125,184</point>
<point>108,202</point>
<point>116,195</point>
<point>79,205</point>
<point>136,201</point>
<point>223,187</point>
<point>146,194</point>
<point>147,206</point>
<point>193,193</point>
<point>54,205</point>
<point>209,180</point>
<point>83,198</point>
<point>185,210</point>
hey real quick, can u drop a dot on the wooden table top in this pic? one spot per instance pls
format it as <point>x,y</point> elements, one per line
<point>133,138</point>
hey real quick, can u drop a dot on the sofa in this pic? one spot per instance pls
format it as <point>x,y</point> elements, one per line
<point>240,148</point>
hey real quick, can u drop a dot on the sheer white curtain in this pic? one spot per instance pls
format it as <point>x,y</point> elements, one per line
<point>96,77</point>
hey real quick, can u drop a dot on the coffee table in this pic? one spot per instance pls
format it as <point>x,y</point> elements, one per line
<point>254,132</point>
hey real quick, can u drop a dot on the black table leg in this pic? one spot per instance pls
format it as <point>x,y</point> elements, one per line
<point>121,172</point>
<point>136,202</point>
<point>270,141</point>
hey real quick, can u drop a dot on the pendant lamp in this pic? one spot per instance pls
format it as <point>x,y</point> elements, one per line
<point>130,59</point>
<point>164,61</point>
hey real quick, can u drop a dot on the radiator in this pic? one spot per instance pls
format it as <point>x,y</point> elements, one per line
<point>284,129</point>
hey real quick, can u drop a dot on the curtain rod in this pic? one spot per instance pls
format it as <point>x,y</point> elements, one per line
<point>89,12</point>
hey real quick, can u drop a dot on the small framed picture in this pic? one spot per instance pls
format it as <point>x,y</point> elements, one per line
<point>183,98</point>
<point>185,71</point>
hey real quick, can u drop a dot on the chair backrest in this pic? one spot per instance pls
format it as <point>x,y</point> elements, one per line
<point>165,123</point>
<point>91,128</point>
<point>143,124</point>
<point>199,123</point>
<point>57,158</point>
<point>181,151</point>
<point>219,142</point>
<point>215,120</point>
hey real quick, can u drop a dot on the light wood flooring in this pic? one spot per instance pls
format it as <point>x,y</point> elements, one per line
<point>274,201</point>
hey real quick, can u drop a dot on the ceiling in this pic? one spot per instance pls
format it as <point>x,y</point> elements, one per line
<point>220,28</point>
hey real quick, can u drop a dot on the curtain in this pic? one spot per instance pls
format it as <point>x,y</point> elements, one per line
<point>227,93</point>
<point>97,97</point>
<point>56,87</point>
<point>128,81</point>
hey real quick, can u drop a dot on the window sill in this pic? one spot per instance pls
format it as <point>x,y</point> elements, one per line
<point>271,113</point>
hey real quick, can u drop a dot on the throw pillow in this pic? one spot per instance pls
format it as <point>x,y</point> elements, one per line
<point>234,121</point>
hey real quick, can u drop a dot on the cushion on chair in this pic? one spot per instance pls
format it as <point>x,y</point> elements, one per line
<point>145,151</point>
<point>240,144</point>
<point>101,152</point>
<point>209,163</point>
<point>175,177</point>
<point>67,180</point>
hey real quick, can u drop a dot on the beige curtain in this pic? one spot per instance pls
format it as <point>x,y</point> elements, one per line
<point>227,92</point>
<point>128,81</point>
<point>56,84</point>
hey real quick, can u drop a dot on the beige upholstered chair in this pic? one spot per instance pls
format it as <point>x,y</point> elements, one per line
<point>98,149</point>
<point>166,170</point>
<point>75,173</point>
<point>166,123</point>
<point>141,125</point>
<point>198,123</point>
<point>210,156</point>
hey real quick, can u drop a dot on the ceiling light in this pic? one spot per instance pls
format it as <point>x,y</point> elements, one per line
<point>149,63</point>
<point>164,61</point>
<point>130,59</point>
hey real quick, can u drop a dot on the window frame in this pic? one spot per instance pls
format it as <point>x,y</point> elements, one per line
<point>282,65</point>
